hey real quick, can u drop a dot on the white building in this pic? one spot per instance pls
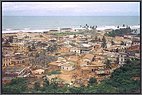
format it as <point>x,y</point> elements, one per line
<point>121,59</point>
<point>75,50</point>
<point>68,66</point>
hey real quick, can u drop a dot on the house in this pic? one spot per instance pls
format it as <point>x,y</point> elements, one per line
<point>119,38</point>
<point>135,42</point>
<point>88,58</point>
<point>85,70</point>
<point>127,42</point>
<point>85,50</point>
<point>16,71</point>
<point>134,48</point>
<point>121,58</point>
<point>73,58</point>
<point>66,29</point>
<point>75,50</point>
<point>108,44</point>
<point>56,65</point>
<point>53,30</point>
<point>20,47</point>
<point>117,48</point>
<point>38,72</point>
<point>61,59</point>
<point>97,46</point>
<point>68,66</point>
<point>82,63</point>
<point>53,66</point>
<point>19,58</point>
<point>96,67</point>
<point>66,78</point>
<point>86,45</point>
<point>64,50</point>
<point>8,49</point>
<point>137,55</point>
<point>6,60</point>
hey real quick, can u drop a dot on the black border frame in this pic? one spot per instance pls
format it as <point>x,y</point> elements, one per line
<point>71,1</point>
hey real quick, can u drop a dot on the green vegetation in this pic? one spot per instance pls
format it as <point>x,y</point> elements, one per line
<point>104,42</point>
<point>119,32</point>
<point>52,48</point>
<point>66,33</point>
<point>92,81</point>
<point>108,64</point>
<point>54,72</point>
<point>123,80</point>
<point>18,85</point>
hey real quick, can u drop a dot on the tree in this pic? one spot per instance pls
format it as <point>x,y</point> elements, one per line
<point>122,43</point>
<point>18,85</point>
<point>117,50</point>
<point>123,25</point>
<point>99,40</point>
<point>108,64</point>
<point>37,86</point>
<point>104,42</point>
<point>10,39</point>
<point>46,82</point>
<point>96,38</point>
<point>33,46</point>
<point>29,48</point>
<point>112,42</point>
<point>92,80</point>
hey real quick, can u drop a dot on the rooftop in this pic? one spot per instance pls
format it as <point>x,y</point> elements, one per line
<point>88,56</point>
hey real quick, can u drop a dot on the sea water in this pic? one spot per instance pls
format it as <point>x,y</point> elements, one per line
<point>49,22</point>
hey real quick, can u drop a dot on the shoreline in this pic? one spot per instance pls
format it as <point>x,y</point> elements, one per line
<point>46,30</point>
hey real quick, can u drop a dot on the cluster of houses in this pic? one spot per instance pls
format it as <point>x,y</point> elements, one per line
<point>70,59</point>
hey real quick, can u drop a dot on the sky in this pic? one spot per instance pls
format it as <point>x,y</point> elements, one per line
<point>70,8</point>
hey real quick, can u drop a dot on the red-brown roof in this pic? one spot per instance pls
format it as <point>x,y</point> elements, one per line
<point>133,48</point>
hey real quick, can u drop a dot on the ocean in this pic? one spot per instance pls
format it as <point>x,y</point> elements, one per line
<point>48,22</point>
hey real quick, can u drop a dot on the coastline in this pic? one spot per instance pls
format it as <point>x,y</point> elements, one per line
<point>45,30</point>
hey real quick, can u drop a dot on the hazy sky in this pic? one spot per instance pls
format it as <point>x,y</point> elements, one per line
<point>70,8</point>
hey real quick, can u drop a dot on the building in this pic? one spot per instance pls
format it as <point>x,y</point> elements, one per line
<point>66,30</point>
<point>68,66</point>
<point>16,71</point>
<point>53,66</point>
<point>19,58</point>
<point>64,50</point>
<point>38,72</point>
<point>75,50</point>
<point>73,58</point>
<point>88,58</point>
<point>121,58</point>
<point>6,60</point>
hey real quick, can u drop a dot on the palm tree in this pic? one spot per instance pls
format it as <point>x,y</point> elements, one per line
<point>104,42</point>
<point>108,64</point>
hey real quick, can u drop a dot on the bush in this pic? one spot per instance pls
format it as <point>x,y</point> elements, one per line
<point>18,85</point>
<point>54,72</point>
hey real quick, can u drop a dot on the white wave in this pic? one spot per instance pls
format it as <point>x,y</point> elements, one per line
<point>115,27</point>
<point>106,27</point>
<point>25,30</point>
<point>135,27</point>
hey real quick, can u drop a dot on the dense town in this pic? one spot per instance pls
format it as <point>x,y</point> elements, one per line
<point>67,56</point>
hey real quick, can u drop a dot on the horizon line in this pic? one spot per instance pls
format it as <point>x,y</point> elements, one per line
<point>72,15</point>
